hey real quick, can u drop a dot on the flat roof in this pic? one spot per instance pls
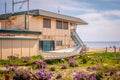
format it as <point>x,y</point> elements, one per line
<point>19,31</point>
<point>39,12</point>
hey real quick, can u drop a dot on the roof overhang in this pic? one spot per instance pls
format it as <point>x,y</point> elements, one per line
<point>39,12</point>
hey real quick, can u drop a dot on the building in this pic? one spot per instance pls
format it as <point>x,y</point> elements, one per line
<point>25,34</point>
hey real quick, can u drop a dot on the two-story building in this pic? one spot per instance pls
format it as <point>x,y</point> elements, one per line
<point>23,34</point>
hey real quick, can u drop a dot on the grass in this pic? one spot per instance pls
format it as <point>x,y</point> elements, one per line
<point>105,60</point>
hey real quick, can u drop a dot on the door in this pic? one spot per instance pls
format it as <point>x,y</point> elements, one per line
<point>47,45</point>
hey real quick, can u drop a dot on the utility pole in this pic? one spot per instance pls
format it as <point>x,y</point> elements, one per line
<point>5,13</point>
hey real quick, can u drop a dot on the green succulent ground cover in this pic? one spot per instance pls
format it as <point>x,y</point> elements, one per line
<point>109,64</point>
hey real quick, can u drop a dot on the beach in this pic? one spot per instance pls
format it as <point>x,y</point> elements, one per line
<point>107,49</point>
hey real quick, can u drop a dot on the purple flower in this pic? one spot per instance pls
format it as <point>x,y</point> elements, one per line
<point>26,59</point>
<point>43,75</point>
<point>12,57</point>
<point>96,67</point>
<point>72,62</point>
<point>11,68</point>
<point>22,74</point>
<point>38,64</point>
<point>64,66</point>
<point>93,77</point>
<point>80,75</point>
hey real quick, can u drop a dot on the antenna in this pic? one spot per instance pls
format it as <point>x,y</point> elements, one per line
<point>23,1</point>
<point>13,3</point>
<point>58,6</point>
<point>5,7</point>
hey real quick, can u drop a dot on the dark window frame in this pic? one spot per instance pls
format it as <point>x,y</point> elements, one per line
<point>58,24</point>
<point>62,24</point>
<point>46,23</point>
<point>65,25</point>
<point>59,43</point>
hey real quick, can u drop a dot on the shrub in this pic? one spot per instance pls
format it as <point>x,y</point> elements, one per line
<point>80,76</point>
<point>52,69</point>
<point>85,59</point>
<point>43,75</point>
<point>53,61</point>
<point>72,62</point>
<point>83,76</point>
<point>26,59</point>
<point>12,57</point>
<point>63,66</point>
<point>11,68</point>
<point>22,74</point>
<point>96,67</point>
<point>39,64</point>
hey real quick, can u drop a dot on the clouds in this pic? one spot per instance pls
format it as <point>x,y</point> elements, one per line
<point>103,16</point>
<point>112,13</point>
<point>100,27</point>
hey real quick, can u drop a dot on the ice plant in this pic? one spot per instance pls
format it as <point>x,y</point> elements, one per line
<point>12,57</point>
<point>63,66</point>
<point>81,76</point>
<point>43,75</point>
<point>26,59</point>
<point>11,68</point>
<point>72,62</point>
<point>22,74</point>
<point>97,67</point>
<point>39,64</point>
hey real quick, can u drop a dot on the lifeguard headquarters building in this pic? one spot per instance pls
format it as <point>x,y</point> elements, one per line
<point>25,34</point>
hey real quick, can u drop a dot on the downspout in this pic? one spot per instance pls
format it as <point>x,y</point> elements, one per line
<point>25,22</point>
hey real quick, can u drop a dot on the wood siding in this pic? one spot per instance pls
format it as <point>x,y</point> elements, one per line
<point>36,24</point>
<point>20,48</point>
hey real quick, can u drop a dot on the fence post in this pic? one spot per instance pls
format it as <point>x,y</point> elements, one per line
<point>7,77</point>
<point>106,49</point>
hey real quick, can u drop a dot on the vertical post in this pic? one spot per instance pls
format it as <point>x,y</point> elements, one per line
<point>28,12</point>
<point>12,7</point>
<point>25,22</point>
<point>5,14</point>
<point>106,49</point>
<point>119,49</point>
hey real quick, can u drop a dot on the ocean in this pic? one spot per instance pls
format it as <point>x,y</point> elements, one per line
<point>102,44</point>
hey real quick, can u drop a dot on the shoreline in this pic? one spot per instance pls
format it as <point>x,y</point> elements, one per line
<point>107,49</point>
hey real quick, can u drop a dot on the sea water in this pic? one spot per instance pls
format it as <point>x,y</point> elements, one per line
<point>102,44</point>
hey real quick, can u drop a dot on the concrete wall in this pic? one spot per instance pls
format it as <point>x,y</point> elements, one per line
<point>21,48</point>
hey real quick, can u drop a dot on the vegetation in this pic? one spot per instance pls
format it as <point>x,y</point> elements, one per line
<point>91,66</point>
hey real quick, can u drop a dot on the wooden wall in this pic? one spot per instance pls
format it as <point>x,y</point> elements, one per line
<point>18,48</point>
<point>36,24</point>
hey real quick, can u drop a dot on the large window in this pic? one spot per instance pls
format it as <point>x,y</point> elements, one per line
<point>58,24</point>
<point>58,43</point>
<point>61,24</point>
<point>65,25</point>
<point>46,23</point>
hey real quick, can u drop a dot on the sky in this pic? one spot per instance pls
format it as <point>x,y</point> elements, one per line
<point>102,16</point>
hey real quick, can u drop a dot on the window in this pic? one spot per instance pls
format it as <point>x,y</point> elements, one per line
<point>61,24</point>
<point>58,24</point>
<point>65,25</point>
<point>58,43</point>
<point>46,23</point>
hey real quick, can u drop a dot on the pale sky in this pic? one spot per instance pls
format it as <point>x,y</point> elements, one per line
<point>102,16</point>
